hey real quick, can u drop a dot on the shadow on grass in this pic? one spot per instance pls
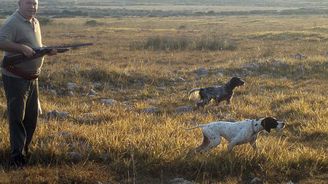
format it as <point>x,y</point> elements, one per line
<point>314,136</point>
<point>214,168</point>
<point>135,80</point>
<point>111,79</point>
<point>276,69</point>
<point>309,138</point>
<point>210,167</point>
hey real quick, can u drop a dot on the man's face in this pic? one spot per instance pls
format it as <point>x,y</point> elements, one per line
<point>28,8</point>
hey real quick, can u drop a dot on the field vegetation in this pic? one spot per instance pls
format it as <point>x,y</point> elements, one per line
<point>165,8</point>
<point>146,66</point>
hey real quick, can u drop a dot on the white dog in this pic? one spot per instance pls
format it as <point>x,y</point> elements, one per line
<point>235,133</point>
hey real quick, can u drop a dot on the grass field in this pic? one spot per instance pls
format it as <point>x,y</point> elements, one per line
<point>123,143</point>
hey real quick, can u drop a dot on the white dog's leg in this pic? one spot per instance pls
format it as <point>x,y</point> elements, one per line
<point>253,143</point>
<point>201,147</point>
<point>209,143</point>
<point>230,146</point>
<point>233,143</point>
<point>214,142</point>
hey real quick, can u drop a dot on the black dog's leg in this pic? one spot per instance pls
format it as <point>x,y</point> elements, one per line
<point>203,102</point>
<point>229,99</point>
<point>219,99</point>
<point>205,98</point>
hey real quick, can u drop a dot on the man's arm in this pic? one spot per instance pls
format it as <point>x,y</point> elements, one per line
<point>7,34</point>
<point>17,48</point>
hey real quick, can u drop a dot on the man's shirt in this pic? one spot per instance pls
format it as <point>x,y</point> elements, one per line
<point>20,30</point>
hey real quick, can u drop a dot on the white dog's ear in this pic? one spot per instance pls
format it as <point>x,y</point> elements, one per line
<point>267,129</point>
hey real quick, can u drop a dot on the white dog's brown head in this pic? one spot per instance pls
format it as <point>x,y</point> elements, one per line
<point>269,123</point>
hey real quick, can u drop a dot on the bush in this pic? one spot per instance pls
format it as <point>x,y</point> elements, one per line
<point>164,43</point>
<point>45,20</point>
<point>183,43</point>
<point>92,23</point>
<point>214,43</point>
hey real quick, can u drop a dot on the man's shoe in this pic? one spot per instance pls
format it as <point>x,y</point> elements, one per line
<point>17,162</point>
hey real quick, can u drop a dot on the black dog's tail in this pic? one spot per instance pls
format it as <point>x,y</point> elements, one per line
<point>193,91</point>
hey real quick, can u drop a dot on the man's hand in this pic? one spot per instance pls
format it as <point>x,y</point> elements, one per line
<point>26,50</point>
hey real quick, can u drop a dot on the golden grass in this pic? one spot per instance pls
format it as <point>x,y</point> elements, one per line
<point>121,144</point>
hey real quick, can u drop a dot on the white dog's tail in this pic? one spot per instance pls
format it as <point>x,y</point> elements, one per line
<point>174,131</point>
<point>191,93</point>
<point>198,126</point>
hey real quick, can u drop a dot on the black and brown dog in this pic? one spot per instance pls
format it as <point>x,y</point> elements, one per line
<point>217,93</point>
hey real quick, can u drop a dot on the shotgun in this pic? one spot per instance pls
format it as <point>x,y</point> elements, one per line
<point>39,52</point>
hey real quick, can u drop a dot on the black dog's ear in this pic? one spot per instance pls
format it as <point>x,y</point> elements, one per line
<point>236,81</point>
<point>268,123</point>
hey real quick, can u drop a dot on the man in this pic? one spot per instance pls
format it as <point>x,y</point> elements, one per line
<point>19,34</point>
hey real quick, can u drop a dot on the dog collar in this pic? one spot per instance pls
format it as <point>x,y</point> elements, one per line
<point>254,132</point>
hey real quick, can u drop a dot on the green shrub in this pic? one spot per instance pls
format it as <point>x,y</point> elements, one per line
<point>45,20</point>
<point>183,43</point>
<point>214,44</point>
<point>92,23</point>
<point>166,43</point>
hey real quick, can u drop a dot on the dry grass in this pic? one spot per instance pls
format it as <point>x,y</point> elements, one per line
<point>120,144</point>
